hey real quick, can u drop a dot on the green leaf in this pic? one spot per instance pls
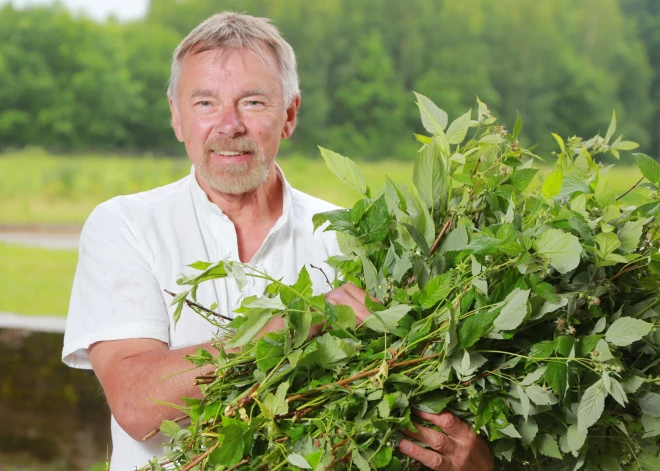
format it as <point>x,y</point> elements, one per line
<point>382,457</point>
<point>627,330</point>
<point>605,194</point>
<point>456,240</point>
<point>458,128</point>
<point>474,327</point>
<point>333,351</point>
<point>276,403</point>
<point>611,128</point>
<point>563,249</point>
<point>607,242</point>
<point>629,235</point>
<point>437,289</point>
<point>256,320</point>
<point>517,127</point>
<point>376,222</point>
<point>433,403</point>
<point>510,431</point>
<point>649,167</point>
<point>552,185</point>
<point>650,404</point>
<point>591,405</point>
<point>433,118</point>
<point>543,349</point>
<point>616,391</point>
<point>626,145</point>
<point>540,396</point>
<point>386,320</point>
<point>169,428</point>
<point>547,445</point>
<point>430,177</point>
<point>514,311</point>
<point>521,178</point>
<point>632,384</point>
<point>575,438</point>
<point>345,169</point>
<point>233,445</point>
<point>298,460</point>
<point>269,352</point>
<point>528,430</point>
<point>556,375</point>
<point>360,461</point>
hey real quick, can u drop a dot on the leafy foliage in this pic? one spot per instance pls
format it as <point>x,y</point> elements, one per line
<point>526,308</point>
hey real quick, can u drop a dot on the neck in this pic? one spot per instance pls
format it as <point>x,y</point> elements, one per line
<point>262,204</point>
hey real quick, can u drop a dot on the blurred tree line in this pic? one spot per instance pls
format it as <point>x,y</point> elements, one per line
<point>72,84</point>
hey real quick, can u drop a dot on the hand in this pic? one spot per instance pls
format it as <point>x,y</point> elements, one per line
<point>458,449</point>
<point>353,297</point>
<point>348,295</point>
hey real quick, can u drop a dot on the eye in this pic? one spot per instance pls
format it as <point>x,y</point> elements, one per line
<point>254,103</point>
<point>203,103</point>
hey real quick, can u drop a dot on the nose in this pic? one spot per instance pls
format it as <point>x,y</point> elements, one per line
<point>229,122</point>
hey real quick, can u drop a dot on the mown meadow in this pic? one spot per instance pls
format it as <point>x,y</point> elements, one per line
<point>42,189</point>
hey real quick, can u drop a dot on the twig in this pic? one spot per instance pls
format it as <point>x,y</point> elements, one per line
<point>340,444</point>
<point>631,188</point>
<point>324,275</point>
<point>439,238</point>
<point>157,429</point>
<point>242,402</point>
<point>364,374</point>
<point>199,306</point>
<point>239,464</point>
<point>199,459</point>
<point>340,460</point>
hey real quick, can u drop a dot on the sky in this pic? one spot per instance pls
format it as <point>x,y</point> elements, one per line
<point>97,9</point>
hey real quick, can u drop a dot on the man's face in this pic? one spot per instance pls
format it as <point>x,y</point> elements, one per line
<point>231,116</point>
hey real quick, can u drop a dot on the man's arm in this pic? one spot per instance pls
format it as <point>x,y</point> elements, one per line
<point>135,371</point>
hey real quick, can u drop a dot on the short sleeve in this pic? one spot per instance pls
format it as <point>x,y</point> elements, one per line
<point>115,292</point>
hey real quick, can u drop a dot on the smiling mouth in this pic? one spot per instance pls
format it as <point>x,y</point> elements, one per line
<point>227,153</point>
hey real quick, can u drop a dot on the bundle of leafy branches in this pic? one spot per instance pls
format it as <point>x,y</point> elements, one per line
<point>521,300</point>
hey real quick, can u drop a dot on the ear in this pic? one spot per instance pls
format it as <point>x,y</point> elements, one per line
<point>176,120</point>
<point>291,118</point>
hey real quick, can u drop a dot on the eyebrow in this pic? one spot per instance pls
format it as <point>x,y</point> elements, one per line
<point>205,93</point>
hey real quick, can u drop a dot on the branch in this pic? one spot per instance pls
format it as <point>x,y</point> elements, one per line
<point>199,459</point>
<point>631,188</point>
<point>239,464</point>
<point>439,238</point>
<point>324,275</point>
<point>199,306</point>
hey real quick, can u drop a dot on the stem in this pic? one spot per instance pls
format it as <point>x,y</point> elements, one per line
<point>631,188</point>
<point>239,464</point>
<point>199,459</point>
<point>340,460</point>
<point>442,233</point>
<point>364,374</point>
<point>324,275</point>
<point>199,306</point>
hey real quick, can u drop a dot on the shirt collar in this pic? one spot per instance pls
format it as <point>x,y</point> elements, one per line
<point>206,207</point>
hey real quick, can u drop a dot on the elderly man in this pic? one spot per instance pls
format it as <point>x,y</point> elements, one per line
<point>233,95</point>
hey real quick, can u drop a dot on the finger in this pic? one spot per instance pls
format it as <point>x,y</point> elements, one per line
<point>343,297</point>
<point>452,426</point>
<point>428,458</point>
<point>358,293</point>
<point>436,440</point>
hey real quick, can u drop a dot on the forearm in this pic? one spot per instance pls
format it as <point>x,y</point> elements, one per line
<point>142,378</point>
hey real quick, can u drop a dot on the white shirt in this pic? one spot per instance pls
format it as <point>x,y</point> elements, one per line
<point>134,247</point>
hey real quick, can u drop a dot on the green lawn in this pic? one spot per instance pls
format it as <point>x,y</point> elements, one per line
<point>35,281</point>
<point>38,188</point>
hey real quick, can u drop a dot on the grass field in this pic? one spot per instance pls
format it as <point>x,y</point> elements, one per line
<point>35,281</point>
<point>38,188</point>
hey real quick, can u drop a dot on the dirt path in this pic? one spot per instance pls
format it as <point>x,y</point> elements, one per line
<point>55,237</point>
<point>54,324</point>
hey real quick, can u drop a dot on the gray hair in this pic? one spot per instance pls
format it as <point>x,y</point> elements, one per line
<point>230,30</point>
